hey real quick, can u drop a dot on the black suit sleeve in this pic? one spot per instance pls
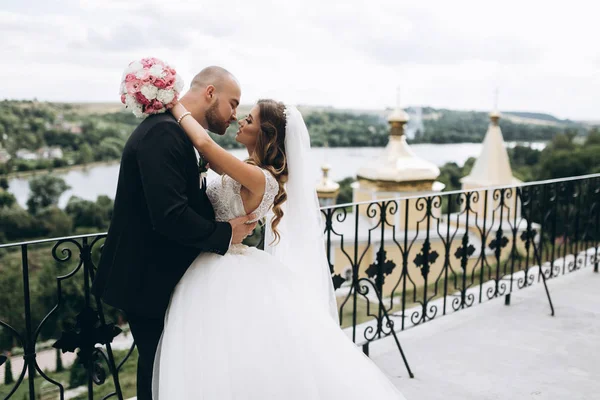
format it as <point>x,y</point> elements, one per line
<point>161,154</point>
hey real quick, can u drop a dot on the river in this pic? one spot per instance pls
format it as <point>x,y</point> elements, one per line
<point>345,162</point>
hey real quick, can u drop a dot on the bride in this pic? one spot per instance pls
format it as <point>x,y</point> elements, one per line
<point>262,325</point>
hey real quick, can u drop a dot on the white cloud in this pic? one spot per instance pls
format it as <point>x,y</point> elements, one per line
<point>346,54</point>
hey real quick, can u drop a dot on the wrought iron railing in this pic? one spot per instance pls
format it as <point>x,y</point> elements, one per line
<point>395,264</point>
<point>404,262</point>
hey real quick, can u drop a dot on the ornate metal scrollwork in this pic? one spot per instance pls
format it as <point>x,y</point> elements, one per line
<point>425,258</point>
<point>337,281</point>
<point>387,267</point>
<point>528,236</point>
<point>87,333</point>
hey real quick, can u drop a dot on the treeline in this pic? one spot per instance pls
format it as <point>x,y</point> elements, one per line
<point>86,137</point>
<point>43,217</point>
<point>447,126</point>
<point>82,138</point>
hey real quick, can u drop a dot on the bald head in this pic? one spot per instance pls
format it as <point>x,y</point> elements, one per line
<point>213,99</point>
<point>216,76</point>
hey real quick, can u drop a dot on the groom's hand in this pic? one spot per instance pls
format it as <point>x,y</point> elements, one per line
<point>242,227</point>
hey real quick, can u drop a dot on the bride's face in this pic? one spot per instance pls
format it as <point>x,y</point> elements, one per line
<point>249,129</point>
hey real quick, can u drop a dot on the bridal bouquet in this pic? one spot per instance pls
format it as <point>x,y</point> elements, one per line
<point>150,86</point>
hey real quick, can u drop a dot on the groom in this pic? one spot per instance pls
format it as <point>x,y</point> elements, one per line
<point>162,216</point>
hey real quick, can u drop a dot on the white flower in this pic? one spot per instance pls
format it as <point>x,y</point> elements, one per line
<point>134,68</point>
<point>149,91</point>
<point>134,106</point>
<point>165,96</point>
<point>140,73</point>
<point>178,83</point>
<point>130,101</point>
<point>157,71</point>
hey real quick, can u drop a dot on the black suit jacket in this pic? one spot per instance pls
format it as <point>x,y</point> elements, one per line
<point>161,221</point>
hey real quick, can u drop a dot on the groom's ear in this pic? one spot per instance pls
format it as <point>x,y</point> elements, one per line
<point>210,91</point>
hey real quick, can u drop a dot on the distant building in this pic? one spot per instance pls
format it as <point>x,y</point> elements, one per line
<point>487,205</point>
<point>492,169</point>
<point>4,156</point>
<point>28,155</point>
<point>327,190</point>
<point>71,127</point>
<point>75,129</point>
<point>50,153</point>
<point>397,173</point>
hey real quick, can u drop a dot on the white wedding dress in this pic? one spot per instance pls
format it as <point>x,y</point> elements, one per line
<point>243,327</point>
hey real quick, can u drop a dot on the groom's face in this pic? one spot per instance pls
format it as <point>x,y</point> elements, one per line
<point>222,112</point>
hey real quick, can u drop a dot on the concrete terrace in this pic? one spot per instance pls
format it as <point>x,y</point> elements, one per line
<point>495,352</point>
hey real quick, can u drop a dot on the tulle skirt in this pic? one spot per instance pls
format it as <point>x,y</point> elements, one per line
<point>243,327</point>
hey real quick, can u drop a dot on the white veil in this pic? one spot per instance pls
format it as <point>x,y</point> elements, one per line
<point>301,247</point>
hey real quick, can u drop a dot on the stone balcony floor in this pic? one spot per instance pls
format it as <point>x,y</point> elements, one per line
<point>495,352</point>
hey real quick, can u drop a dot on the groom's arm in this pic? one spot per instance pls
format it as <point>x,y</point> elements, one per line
<point>160,155</point>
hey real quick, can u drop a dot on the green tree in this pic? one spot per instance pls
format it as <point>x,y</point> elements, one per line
<point>561,164</point>
<point>11,301</point>
<point>45,191</point>
<point>59,363</point>
<point>88,214</point>
<point>16,223</point>
<point>78,375</point>
<point>3,183</point>
<point>8,375</point>
<point>109,149</point>
<point>7,199</point>
<point>562,141</point>
<point>593,137</point>
<point>346,193</point>
<point>85,155</point>
<point>55,221</point>
<point>450,175</point>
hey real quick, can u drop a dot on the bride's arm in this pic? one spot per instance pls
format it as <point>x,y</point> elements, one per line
<point>250,176</point>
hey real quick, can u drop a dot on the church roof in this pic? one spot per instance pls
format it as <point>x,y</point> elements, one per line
<point>398,163</point>
<point>492,167</point>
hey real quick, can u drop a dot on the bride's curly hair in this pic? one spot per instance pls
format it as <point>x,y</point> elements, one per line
<point>269,152</point>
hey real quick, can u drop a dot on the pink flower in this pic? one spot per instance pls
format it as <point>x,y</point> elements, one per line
<point>169,75</point>
<point>148,62</point>
<point>149,78</point>
<point>155,77</point>
<point>141,99</point>
<point>133,86</point>
<point>170,82</point>
<point>157,105</point>
<point>160,83</point>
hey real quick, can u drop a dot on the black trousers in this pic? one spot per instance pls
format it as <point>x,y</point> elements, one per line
<point>146,333</point>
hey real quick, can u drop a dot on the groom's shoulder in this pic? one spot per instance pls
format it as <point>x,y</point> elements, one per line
<point>158,120</point>
<point>157,125</point>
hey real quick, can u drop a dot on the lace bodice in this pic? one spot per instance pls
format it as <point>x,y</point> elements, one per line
<point>224,194</point>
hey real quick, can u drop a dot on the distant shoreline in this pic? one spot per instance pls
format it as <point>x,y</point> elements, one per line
<point>77,167</point>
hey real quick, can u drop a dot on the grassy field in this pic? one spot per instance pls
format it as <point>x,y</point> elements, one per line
<point>127,379</point>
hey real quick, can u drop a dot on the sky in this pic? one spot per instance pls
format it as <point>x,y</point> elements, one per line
<point>542,56</point>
